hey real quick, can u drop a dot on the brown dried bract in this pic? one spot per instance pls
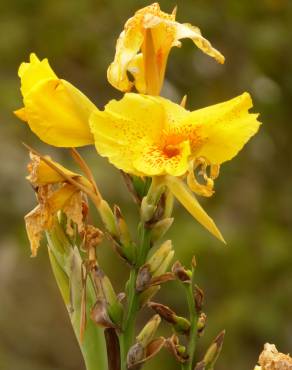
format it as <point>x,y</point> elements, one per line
<point>271,359</point>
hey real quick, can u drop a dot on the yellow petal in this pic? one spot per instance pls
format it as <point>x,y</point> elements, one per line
<point>127,47</point>
<point>148,68</point>
<point>21,114</point>
<point>60,197</point>
<point>188,31</point>
<point>40,173</point>
<point>220,131</point>
<point>33,72</point>
<point>131,133</point>
<point>155,161</point>
<point>121,128</point>
<point>58,113</point>
<point>188,200</point>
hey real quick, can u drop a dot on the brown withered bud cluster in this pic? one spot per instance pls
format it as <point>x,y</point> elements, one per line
<point>181,273</point>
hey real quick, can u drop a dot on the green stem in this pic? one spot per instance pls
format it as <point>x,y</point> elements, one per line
<point>193,330</point>
<point>126,338</point>
<point>66,266</point>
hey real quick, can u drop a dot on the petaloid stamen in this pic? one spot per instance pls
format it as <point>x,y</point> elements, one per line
<point>201,164</point>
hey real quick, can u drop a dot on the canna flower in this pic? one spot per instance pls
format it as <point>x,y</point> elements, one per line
<point>55,110</point>
<point>143,48</point>
<point>151,136</point>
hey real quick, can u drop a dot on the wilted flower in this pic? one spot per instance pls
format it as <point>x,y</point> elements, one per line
<point>54,194</point>
<point>143,48</point>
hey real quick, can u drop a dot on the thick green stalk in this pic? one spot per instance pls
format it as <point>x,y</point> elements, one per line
<point>193,330</point>
<point>66,265</point>
<point>128,333</point>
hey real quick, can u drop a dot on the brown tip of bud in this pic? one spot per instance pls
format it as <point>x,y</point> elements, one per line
<point>143,278</point>
<point>165,312</point>
<point>194,262</point>
<point>220,338</point>
<point>138,355</point>
<point>157,280</point>
<point>180,272</point>
<point>100,316</point>
<point>200,366</point>
<point>201,324</point>
<point>199,298</point>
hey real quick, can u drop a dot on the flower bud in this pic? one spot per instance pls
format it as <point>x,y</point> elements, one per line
<point>148,294</point>
<point>124,245</point>
<point>158,258</point>
<point>214,350</point>
<point>159,229</point>
<point>108,218</point>
<point>105,291</point>
<point>147,210</point>
<point>149,330</point>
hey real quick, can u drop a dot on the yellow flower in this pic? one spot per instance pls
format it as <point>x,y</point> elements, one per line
<point>151,136</point>
<point>55,110</point>
<point>143,48</point>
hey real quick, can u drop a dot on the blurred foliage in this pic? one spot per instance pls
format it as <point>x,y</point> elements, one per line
<point>247,284</point>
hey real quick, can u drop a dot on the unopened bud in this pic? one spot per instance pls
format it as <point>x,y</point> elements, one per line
<point>148,294</point>
<point>124,234</point>
<point>164,265</point>
<point>108,218</point>
<point>159,229</point>
<point>214,350</point>
<point>147,210</point>
<point>159,256</point>
<point>149,330</point>
<point>104,289</point>
<point>124,244</point>
<point>150,201</point>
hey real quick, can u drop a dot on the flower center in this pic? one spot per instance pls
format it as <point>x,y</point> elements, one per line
<point>171,150</point>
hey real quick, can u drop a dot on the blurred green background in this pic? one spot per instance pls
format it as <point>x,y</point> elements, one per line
<point>248,284</point>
